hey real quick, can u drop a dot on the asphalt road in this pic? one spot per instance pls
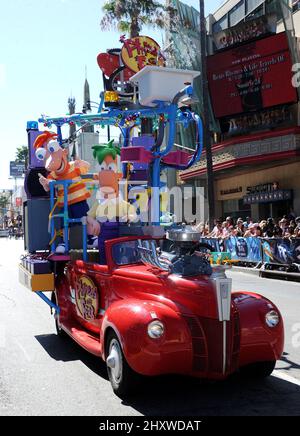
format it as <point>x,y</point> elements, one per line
<point>40,374</point>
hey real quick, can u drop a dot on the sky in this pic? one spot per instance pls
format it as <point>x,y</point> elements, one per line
<point>45,46</point>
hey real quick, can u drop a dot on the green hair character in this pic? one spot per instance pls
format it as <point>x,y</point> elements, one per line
<point>101,151</point>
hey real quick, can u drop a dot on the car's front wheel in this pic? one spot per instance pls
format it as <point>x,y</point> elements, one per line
<point>258,370</point>
<point>123,379</point>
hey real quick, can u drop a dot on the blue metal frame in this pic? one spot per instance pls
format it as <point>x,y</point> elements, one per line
<point>117,117</point>
<point>48,301</point>
<point>65,216</point>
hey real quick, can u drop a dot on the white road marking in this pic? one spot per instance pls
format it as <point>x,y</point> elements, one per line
<point>28,358</point>
<point>2,336</point>
<point>282,376</point>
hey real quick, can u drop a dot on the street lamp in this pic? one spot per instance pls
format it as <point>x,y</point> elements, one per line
<point>205,119</point>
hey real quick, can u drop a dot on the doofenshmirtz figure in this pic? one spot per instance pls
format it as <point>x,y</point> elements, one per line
<point>110,210</point>
<point>55,159</point>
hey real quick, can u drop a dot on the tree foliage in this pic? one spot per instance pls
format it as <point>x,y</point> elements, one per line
<point>4,201</point>
<point>22,155</point>
<point>129,16</point>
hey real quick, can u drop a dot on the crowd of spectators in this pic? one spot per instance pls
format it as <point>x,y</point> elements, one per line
<point>286,227</point>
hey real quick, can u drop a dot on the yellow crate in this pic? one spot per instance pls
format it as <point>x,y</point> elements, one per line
<point>36,282</point>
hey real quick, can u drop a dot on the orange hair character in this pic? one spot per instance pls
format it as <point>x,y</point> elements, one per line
<point>43,138</point>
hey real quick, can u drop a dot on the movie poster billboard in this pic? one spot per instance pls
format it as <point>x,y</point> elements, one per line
<point>250,77</point>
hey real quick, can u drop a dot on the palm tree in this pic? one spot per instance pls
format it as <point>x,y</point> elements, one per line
<point>129,16</point>
<point>22,155</point>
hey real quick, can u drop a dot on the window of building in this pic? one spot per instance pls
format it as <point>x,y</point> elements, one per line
<point>252,4</point>
<point>260,11</point>
<point>220,25</point>
<point>296,5</point>
<point>237,14</point>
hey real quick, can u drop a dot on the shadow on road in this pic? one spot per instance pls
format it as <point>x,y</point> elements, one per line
<point>186,396</point>
<point>289,363</point>
<point>66,350</point>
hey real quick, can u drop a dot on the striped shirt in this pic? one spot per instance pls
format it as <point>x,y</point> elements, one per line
<point>77,190</point>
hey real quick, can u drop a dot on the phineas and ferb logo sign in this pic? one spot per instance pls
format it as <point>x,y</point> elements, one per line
<point>141,51</point>
<point>87,298</point>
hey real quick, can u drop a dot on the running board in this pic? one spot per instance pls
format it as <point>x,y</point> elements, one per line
<point>87,340</point>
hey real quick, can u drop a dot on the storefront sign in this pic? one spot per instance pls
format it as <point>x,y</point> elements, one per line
<point>231,191</point>
<point>249,78</point>
<point>141,51</point>
<point>87,298</point>
<point>269,197</point>
<point>263,188</point>
<point>245,31</point>
<point>267,119</point>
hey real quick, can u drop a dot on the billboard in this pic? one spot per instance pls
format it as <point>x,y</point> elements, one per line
<point>245,31</point>
<point>251,77</point>
<point>16,169</point>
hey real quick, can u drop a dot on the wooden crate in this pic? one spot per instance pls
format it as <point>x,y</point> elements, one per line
<point>36,282</point>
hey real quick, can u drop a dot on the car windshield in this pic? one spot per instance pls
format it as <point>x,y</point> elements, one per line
<point>126,253</point>
<point>129,253</point>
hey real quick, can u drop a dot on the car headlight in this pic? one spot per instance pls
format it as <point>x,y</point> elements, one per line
<point>156,329</point>
<point>272,318</point>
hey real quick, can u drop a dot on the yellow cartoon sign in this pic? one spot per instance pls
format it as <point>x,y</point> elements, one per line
<point>141,51</point>
<point>87,298</point>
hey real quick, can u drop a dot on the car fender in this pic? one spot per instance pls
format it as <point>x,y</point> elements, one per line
<point>258,342</point>
<point>129,318</point>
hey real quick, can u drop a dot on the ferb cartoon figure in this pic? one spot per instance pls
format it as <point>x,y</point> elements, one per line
<point>56,162</point>
<point>110,209</point>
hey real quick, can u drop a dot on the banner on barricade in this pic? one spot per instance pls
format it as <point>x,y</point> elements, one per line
<point>281,251</point>
<point>244,249</point>
<point>216,245</point>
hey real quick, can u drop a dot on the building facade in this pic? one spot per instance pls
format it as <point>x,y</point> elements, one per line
<point>256,150</point>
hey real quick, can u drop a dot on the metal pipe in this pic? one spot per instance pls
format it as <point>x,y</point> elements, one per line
<point>48,301</point>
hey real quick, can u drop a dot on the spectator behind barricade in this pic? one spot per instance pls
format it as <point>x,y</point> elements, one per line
<point>278,233</point>
<point>240,228</point>
<point>297,229</point>
<point>290,233</point>
<point>258,232</point>
<point>225,229</point>
<point>270,228</point>
<point>250,233</point>
<point>199,228</point>
<point>283,224</point>
<point>229,221</point>
<point>248,222</point>
<point>263,225</point>
<point>217,230</point>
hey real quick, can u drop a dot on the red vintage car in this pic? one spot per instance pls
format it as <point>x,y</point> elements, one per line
<point>148,313</point>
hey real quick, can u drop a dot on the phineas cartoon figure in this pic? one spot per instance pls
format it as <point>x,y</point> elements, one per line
<point>55,159</point>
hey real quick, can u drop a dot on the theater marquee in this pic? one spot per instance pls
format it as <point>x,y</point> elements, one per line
<point>250,77</point>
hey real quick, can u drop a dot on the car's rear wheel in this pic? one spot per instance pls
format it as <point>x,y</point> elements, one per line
<point>123,379</point>
<point>258,370</point>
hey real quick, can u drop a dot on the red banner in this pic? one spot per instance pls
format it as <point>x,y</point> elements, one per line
<point>251,77</point>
